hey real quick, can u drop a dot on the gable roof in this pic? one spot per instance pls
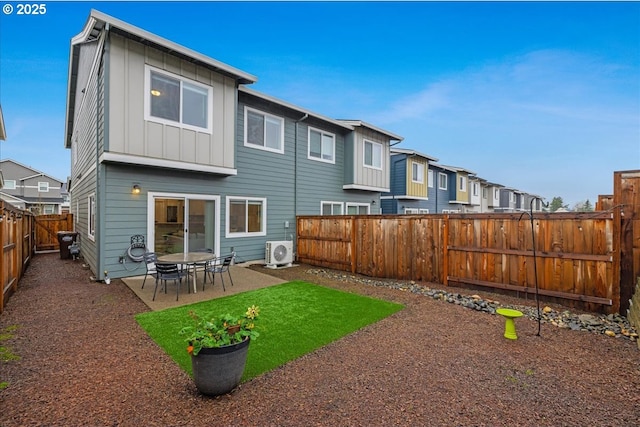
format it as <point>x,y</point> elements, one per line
<point>410,152</point>
<point>99,22</point>
<point>360,123</point>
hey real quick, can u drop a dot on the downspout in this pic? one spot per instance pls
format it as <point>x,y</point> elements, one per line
<point>101,264</point>
<point>295,174</point>
<point>295,165</point>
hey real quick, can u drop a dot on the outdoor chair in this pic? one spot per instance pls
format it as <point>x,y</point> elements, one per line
<point>201,265</point>
<point>150,260</point>
<point>219,266</point>
<point>166,272</point>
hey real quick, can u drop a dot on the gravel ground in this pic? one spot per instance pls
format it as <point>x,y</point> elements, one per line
<point>85,362</point>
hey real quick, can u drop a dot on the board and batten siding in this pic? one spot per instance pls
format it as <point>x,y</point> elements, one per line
<point>356,173</point>
<point>130,133</point>
<point>416,189</point>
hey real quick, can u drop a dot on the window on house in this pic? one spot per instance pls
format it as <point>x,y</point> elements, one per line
<point>43,187</point>
<point>373,154</point>
<point>476,189</point>
<point>496,194</point>
<point>430,178</point>
<point>417,172</point>
<point>262,130</point>
<point>463,183</point>
<point>10,184</point>
<point>172,99</point>
<point>246,217</point>
<point>322,145</point>
<point>91,226</point>
<point>49,209</point>
<point>423,211</point>
<point>357,208</point>
<point>442,181</point>
<point>410,211</point>
<point>331,208</point>
<point>484,193</point>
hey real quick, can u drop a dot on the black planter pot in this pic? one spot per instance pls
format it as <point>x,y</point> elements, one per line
<point>219,370</point>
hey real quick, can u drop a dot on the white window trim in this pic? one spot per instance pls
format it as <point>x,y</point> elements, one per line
<point>147,101</point>
<point>462,183</point>
<point>328,202</point>
<point>420,171</point>
<point>322,132</point>
<point>373,144</point>
<point>263,226</point>
<point>423,211</point>
<point>91,217</point>
<point>263,147</point>
<point>430,178</point>
<point>43,187</point>
<point>446,181</point>
<point>353,204</point>
<point>411,211</point>
<point>10,184</point>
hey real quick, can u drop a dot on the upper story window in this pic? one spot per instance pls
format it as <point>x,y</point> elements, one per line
<point>496,193</point>
<point>175,100</point>
<point>10,184</point>
<point>463,183</point>
<point>476,188</point>
<point>331,208</point>
<point>264,131</point>
<point>372,154</point>
<point>43,187</point>
<point>442,181</point>
<point>417,172</point>
<point>322,145</point>
<point>430,178</point>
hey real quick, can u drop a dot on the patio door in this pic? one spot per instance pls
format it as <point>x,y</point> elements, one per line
<point>179,223</point>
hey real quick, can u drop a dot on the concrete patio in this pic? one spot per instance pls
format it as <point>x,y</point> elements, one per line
<point>244,279</point>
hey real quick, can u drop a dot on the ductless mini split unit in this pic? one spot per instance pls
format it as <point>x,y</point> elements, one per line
<point>278,253</point>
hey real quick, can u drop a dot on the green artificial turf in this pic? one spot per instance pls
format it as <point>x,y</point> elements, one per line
<point>296,318</point>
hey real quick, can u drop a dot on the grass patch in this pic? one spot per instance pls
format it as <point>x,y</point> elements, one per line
<point>296,318</point>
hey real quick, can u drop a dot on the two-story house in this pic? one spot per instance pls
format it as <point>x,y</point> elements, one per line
<point>29,189</point>
<point>459,192</point>
<point>411,182</point>
<point>172,145</point>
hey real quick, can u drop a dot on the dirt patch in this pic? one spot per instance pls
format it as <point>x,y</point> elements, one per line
<point>86,362</point>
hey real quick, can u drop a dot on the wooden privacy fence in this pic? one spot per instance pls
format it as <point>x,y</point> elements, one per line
<point>47,228</point>
<point>574,251</point>
<point>18,246</point>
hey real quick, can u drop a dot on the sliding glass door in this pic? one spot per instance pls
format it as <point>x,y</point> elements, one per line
<point>180,223</point>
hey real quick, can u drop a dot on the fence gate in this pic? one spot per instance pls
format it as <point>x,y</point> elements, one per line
<point>47,228</point>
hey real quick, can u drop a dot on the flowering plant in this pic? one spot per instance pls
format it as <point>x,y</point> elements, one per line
<point>217,331</point>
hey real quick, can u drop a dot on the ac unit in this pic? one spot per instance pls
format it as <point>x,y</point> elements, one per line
<point>278,253</point>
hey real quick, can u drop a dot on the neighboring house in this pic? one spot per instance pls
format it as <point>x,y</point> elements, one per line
<point>459,197</point>
<point>439,193</point>
<point>507,200</point>
<point>411,182</point>
<point>493,196</point>
<point>30,189</point>
<point>170,144</point>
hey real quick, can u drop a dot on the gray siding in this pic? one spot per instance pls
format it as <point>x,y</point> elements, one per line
<point>358,174</point>
<point>130,133</point>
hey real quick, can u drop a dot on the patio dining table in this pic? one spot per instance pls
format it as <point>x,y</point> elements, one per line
<point>189,259</point>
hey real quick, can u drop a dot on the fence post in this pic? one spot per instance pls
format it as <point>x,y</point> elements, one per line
<point>353,245</point>
<point>445,250</point>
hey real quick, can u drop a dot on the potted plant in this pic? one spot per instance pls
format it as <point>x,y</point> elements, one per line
<point>218,346</point>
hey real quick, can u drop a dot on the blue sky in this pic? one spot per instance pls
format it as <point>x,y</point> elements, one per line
<point>543,97</point>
